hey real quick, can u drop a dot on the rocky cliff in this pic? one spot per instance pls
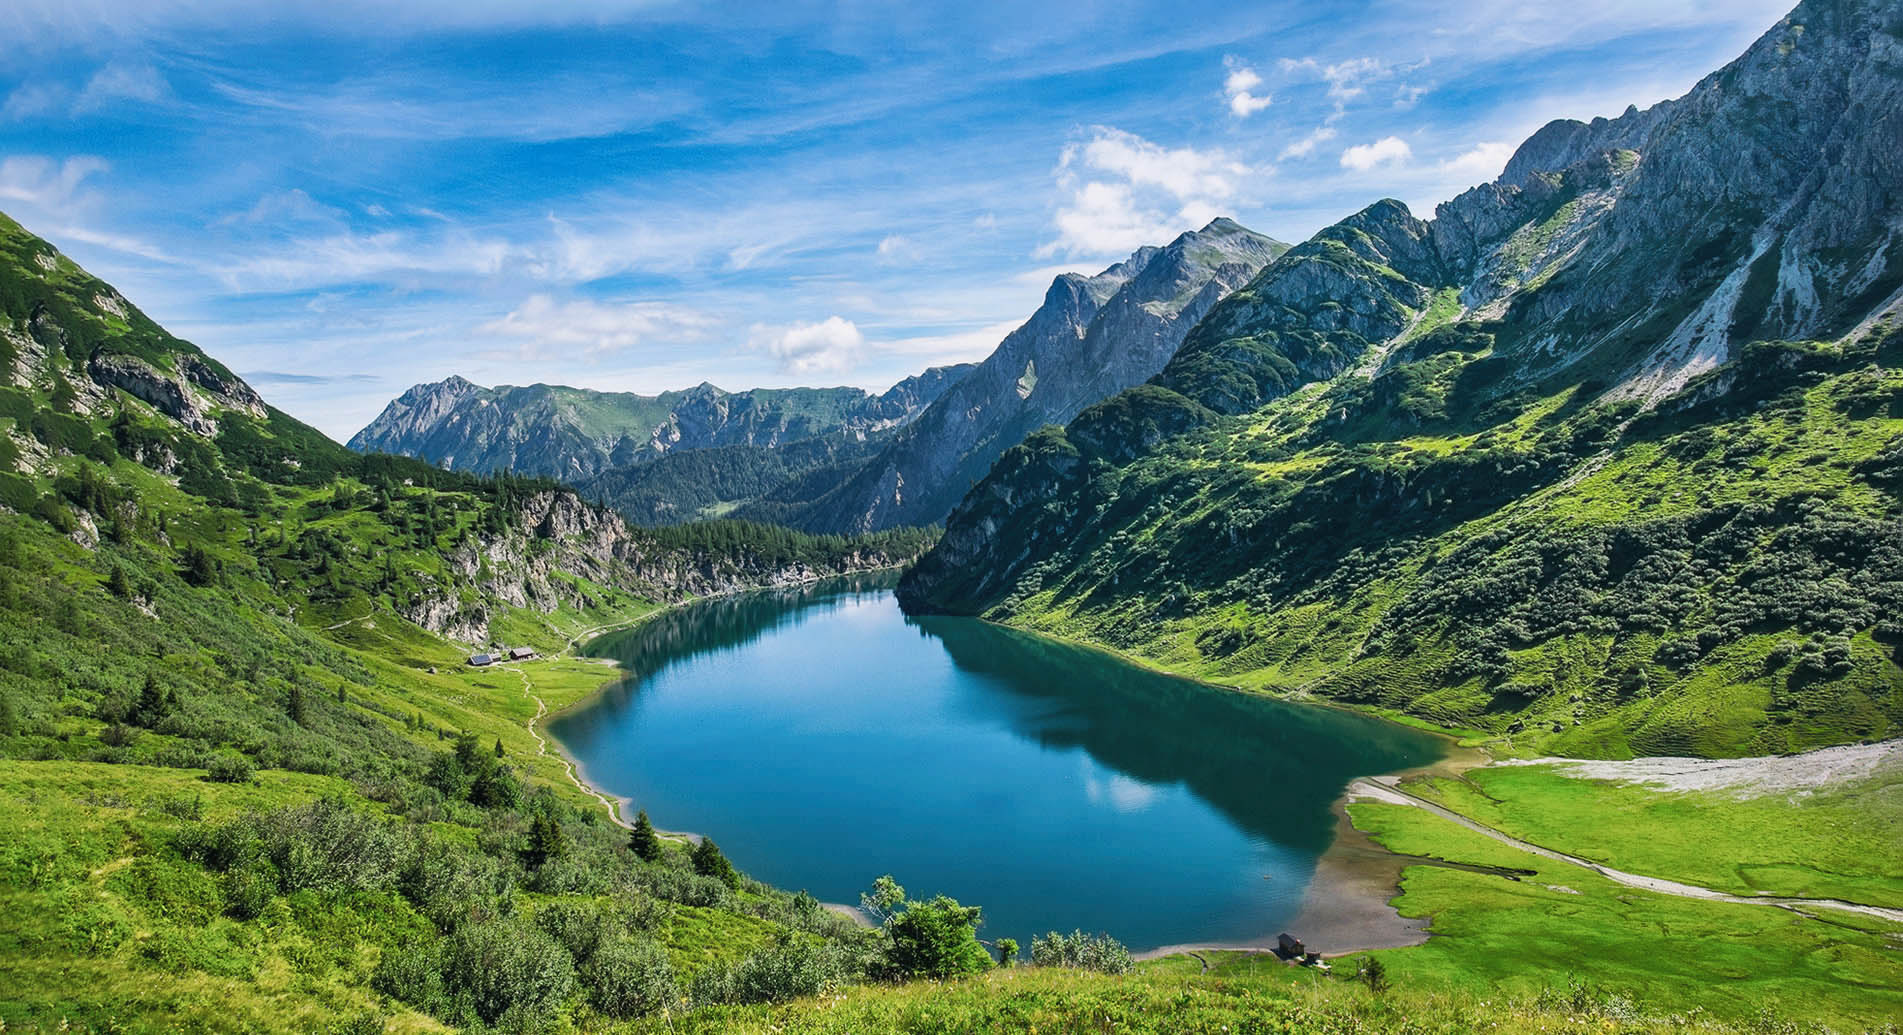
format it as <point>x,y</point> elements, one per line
<point>573,433</point>
<point>1092,337</point>
<point>552,538</point>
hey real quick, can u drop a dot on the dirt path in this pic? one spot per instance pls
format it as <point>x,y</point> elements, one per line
<point>1383,789</point>
<point>351,621</point>
<point>568,766</point>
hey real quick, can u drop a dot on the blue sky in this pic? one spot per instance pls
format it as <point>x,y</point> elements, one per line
<point>341,199</point>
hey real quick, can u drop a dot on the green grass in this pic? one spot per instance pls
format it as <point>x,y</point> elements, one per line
<point>1495,936</point>
<point>1476,574</point>
<point>1240,994</point>
<point>1840,841</point>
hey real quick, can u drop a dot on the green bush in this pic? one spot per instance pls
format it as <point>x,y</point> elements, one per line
<point>791,968</point>
<point>229,767</point>
<point>508,967</point>
<point>1100,953</point>
<point>628,977</point>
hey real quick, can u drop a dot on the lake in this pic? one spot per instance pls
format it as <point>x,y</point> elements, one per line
<point>823,738</point>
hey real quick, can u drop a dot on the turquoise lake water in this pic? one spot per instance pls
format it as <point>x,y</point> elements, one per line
<point>823,738</point>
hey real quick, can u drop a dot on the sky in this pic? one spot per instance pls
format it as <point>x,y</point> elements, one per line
<point>342,199</point>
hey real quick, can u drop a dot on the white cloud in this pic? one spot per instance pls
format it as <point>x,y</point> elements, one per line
<point>339,258</point>
<point>1385,151</point>
<point>542,327</point>
<point>40,181</point>
<point>283,207</point>
<point>1240,87</point>
<point>1346,80</point>
<point>117,82</point>
<point>33,99</point>
<point>1306,146</point>
<point>1484,162</point>
<point>1125,192</point>
<point>896,249</point>
<point>988,221</point>
<point>954,347</point>
<point>831,346</point>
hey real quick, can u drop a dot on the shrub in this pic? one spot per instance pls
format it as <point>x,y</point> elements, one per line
<point>936,939</point>
<point>628,977</point>
<point>1100,953</point>
<point>791,968</point>
<point>229,767</point>
<point>508,967</point>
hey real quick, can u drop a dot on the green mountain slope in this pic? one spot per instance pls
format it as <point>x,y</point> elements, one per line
<point>251,784</point>
<point>1544,467</point>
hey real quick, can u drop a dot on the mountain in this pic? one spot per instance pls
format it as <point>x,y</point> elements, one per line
<point>1091,337</point>
<point>574,433</point>
<point>1606,456</point>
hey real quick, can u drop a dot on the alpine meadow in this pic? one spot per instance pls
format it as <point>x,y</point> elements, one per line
<point>1074,610</point>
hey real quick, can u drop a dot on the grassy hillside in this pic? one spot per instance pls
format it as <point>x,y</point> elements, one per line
<point>1717,576</point>
<point>250,789</point>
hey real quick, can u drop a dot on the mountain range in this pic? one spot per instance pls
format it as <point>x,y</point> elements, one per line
<point>575,433</point>
<point>1606,454</point>
<point>838,460</point>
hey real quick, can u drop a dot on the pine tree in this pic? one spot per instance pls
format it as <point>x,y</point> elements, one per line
<point>498,747</point>
<point>643,841</point>
<point>709,862</point>
<point>153,704</point>
<point>546,840</point>
<point>118,585</point>
<point>295,705</point>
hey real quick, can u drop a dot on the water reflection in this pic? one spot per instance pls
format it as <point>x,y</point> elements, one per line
<point>824,738</point>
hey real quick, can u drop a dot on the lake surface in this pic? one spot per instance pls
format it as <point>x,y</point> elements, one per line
<point>823,738</point>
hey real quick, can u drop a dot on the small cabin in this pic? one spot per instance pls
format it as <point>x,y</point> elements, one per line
<point>1290,945</point>
<point>521,653</point>
<point>479,660</point>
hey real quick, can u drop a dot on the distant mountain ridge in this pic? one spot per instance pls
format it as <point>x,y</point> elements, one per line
<point>576,433</point>
<point>1091,337</point>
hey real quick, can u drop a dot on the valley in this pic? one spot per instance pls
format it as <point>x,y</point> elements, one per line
<point>1484,619</point>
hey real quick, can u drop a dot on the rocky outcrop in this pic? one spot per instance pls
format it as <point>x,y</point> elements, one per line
<point>1092,337</point>
<point>575,434</point>
<point>554,537</point>
<point>166,393</point>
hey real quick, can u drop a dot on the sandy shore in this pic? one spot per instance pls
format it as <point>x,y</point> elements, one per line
<point>1746,777</point>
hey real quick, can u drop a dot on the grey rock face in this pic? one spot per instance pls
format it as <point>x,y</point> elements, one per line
<point>574,434</point>
<point>165,392</point>
<point>555,534</point>
<point>1092,337</point>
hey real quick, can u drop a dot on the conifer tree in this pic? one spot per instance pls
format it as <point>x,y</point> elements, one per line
<point>709,862</point>
<point>642,840</point>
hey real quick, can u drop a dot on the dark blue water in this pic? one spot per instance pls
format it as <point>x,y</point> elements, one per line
<point>824,738</point>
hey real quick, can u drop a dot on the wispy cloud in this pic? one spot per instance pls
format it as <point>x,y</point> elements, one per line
<point>284,377</point>
<point>42,181</point>
<point>1306,146</point>
<point>542,326</point>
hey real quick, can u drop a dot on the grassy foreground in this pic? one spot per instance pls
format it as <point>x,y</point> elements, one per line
<point>1239,994</point>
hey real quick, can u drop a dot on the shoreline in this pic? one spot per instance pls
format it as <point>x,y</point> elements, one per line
<point>1345,907</point>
